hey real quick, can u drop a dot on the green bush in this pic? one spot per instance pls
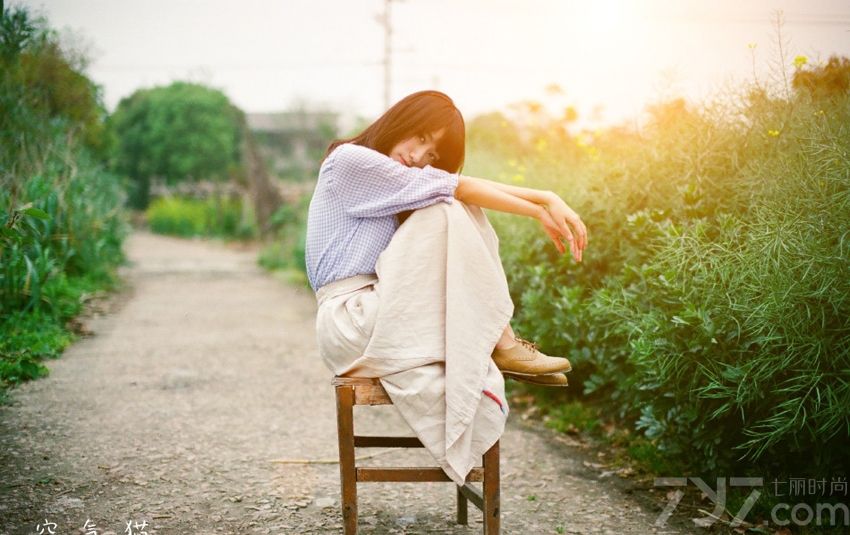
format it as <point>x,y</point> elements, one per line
<point>42,84</point>
<point>711,309</point>
<point>287,248</point>
<point>61,244</point>
<point>212,217</point>
<point>747,328</point>
<point>61,224</point>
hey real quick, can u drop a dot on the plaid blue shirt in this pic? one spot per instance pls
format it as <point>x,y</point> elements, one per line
<point>352,215</point>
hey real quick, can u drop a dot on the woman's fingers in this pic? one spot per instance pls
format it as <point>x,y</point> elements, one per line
<point>551,229</point>
<point>580,230</point>
<point>565,217</point>
<point>559,245</point>
<point>576,237</point>
<point>575,248</point>
<point>583,233</point>
<point>556,238</point>
<point>561,222</point>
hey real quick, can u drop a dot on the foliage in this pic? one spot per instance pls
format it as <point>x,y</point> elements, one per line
<point>41,84</point>
<point>711,310</point>
<point>183,131</point>
<point>286,251</point>
<point>61,226</point>
<point>492,130</point>
<point>823,81</point>
<point>29,338</point>
<point>212,217</point>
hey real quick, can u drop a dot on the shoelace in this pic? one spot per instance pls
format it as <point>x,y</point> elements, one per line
<point>531,345</point>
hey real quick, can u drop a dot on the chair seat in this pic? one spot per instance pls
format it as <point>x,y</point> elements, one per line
<point>367,390</point>
<point>355,381</point>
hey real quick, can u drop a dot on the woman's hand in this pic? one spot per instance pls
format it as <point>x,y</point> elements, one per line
<point>562,222</point>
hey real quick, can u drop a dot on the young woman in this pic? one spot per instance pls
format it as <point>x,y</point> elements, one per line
<point>407,275</point>
<point>423,130</point>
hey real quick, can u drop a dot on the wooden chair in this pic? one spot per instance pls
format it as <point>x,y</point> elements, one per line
<point>351,391</point>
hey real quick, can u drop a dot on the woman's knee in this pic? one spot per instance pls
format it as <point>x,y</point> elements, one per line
<point>435,215</point>
<point>438,215</point>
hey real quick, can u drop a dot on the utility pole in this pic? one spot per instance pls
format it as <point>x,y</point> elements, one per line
<point>385,19</point>
<point>388,51</point>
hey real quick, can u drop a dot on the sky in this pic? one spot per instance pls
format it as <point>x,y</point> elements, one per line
<point>608,58</point>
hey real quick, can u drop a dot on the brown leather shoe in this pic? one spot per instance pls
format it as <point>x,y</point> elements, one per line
<point>524,359</point>
<point>548,379</point>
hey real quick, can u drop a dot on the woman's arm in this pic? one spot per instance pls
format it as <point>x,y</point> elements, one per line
<point>536,196</point>
<point>486,194</point>
<point>545,206</point>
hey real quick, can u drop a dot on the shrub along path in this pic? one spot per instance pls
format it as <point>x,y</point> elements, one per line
<point>201,375</point>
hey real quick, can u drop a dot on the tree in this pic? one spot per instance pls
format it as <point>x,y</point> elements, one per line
<point>43,90</point>
<point>183,131</point>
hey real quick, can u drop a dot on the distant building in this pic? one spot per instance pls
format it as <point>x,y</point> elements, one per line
<point>293,142</point>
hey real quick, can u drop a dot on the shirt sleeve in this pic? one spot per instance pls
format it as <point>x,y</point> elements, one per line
<point>371,184</point>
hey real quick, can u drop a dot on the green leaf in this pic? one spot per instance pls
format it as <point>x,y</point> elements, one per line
<point>36,212</point>
<point>31,370</point>
<point>7,232</point>
<point>679,321</point>
<point>732,373</point>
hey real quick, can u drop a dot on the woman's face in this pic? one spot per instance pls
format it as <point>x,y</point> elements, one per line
<point>419,150</point>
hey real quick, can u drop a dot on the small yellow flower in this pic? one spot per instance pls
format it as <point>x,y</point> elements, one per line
<point>518,178</point>
<point>593,152</point>
<point>799,61</point>
<point>751,45</point>
<point>773,133</point>
<point>541,144</point>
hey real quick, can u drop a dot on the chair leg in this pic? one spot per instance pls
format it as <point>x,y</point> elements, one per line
<point>347,470</point>
<point>492,520</point>
<point>462,507</point>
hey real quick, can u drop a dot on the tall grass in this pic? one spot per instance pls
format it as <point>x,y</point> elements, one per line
<point>61,223</point>
<point>711,310</point>
<point>285,252</point>
<point>62,234</point>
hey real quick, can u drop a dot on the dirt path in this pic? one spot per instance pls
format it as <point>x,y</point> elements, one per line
<point>205,372</point>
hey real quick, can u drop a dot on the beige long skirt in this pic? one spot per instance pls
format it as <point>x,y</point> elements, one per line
<point>426,323</point>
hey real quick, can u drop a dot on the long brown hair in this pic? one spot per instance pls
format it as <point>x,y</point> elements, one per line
<point>419,113</point>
